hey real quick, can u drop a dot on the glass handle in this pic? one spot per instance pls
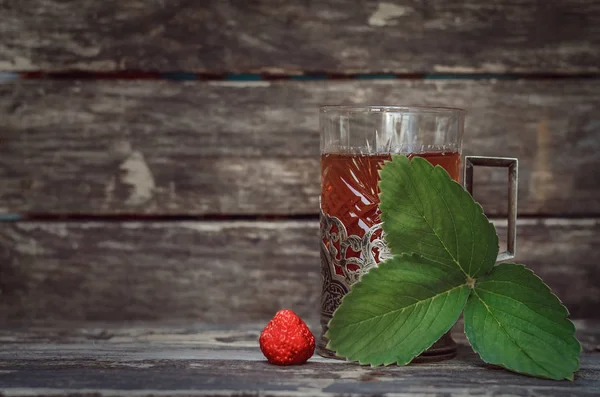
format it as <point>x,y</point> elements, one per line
<point>513,182</point>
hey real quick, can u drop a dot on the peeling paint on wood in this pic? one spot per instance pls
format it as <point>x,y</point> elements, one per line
<point>133,175</point>
<point>205,148</point>
<point>295,36</point>
<point>387,14</point>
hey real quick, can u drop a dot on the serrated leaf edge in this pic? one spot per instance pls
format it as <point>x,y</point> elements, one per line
<point>570,378</point>
<point>433,168</point>
<point>417,354</point>
<point>471,284</point>
<point>409,255</point>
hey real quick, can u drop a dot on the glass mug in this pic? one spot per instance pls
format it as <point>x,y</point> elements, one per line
<point>355,142</point>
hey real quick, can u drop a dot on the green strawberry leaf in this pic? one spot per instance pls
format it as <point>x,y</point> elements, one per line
<point>442,244</point>
<point>425,212</point>
<point>512,319</point>
<point>397,311</point>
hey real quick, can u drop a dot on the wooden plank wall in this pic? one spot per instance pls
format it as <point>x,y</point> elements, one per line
<point>159,160</point>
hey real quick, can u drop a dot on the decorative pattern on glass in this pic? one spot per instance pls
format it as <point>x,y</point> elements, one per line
<point>344,259</point>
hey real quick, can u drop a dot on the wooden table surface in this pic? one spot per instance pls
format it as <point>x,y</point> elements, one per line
<point>198,360</point>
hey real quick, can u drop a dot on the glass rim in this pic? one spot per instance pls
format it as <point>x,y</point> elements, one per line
<point>390,109</point>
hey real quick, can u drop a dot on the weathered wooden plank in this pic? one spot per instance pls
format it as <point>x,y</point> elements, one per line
<point>216,272</point>
<point>291,36</point>
<point>81,337</point>
<point>229,376</point>
<point>225,272</point>
<point>197,361</point>
<point>252,148</point>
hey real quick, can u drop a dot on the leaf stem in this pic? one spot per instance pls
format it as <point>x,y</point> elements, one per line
<point>471,282</point>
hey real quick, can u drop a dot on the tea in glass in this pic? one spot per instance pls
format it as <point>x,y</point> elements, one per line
<point>355,143</point>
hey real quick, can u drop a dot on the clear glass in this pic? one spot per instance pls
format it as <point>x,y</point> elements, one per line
<point>390,129</point>
<point>355,141</point>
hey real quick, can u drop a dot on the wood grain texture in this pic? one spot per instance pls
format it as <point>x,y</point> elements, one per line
<point>252,148</point>
<point>214,272</point>
<point>294,36</point>
<point>227,375</point>
<point>200,361</point>
<point>174,334</point>
<point>225,272</point>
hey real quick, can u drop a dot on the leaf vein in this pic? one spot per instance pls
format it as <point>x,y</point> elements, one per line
<point>523,303</point>
<point>451,215</point>
<point>432,228</point>
<point>409,306</point>
<point>501,327</point>
<point>536,291</point>
<point>410,179</point>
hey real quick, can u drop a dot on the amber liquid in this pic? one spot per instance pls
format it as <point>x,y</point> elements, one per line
<point>349,186</point>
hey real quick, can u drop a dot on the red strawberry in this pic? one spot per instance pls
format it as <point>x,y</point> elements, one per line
<point>286,340</point>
